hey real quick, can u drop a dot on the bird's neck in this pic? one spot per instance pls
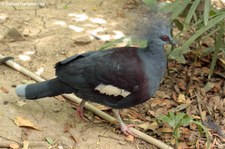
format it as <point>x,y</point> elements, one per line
<point>154,60</point>
<point>156,51</point>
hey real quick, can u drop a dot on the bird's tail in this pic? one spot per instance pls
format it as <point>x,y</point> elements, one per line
<point>49,88</point>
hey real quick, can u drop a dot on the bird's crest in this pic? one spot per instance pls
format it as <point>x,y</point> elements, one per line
<point>152,24</point>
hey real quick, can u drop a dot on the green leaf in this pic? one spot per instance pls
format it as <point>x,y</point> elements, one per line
<point>177,53</point>
<point>208,86</point>
<point>178,24</point>
<point>150,2</point>
<point>208,51</point>
<point>111,43</point>
<point>207,6</point>
<point>192,11</point>
<point>169,118</point>
<point>205,130</point>
<point>185,120</point>
<point>169,7</point>
<point>49,140</point>
<point>202,30</point>
<point>178,10</point>
<point>219,41</point>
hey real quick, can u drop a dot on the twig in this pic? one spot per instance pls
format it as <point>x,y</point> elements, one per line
<point>199,106</point>
<point>10,140</point>
<point>98,112</point>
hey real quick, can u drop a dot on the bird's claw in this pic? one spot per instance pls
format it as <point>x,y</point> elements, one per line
<point>125,129</point>
<point>80,113</point>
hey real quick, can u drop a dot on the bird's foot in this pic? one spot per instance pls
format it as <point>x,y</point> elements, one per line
<point>80,113</point>
<point>125,129</point>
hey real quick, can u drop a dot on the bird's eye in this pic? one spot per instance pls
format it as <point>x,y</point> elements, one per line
<point>165,38</point>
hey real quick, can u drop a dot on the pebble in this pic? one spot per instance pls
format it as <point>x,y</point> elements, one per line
<point>85,39</point>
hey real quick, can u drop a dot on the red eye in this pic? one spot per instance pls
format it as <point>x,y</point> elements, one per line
<point>165,38</point>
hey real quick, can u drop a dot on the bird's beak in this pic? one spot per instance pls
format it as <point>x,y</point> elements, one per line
<point>173,42</point>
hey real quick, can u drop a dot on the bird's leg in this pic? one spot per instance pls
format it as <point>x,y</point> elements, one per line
<point>80,108</point>
<point>124,128</point>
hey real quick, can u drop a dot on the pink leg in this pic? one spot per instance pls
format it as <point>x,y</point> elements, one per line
<point>124,128</point>
<point>80,108</point>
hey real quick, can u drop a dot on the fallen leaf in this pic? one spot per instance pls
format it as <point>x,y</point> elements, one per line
<point>174,96</point>
<point>181,98</point>
<point>165,130</point>
<point>130,138</point>
<point>162,94</point>
<point>173,142</point>
<point>133,114</point>
<point>160,111</point>
<point>208,86</point>
<point>153,126</point>
<point>101,107</point>
<point>179,108</point>
<point>21,122</point>
<point>155,102</point>
<point>147,126</point>
<point>67,127</point>
<point>14,146</point>
<point>21,103</point>
<point>176,88</point>
<point>4,90</point>
<point>151,113</point>
<point>182,85</point>
<point>205,70</point>
<point>144,126</point>
<point>182,145</point>
<point>73,138</point>
<point>216,128</point>
<point>218,86</point>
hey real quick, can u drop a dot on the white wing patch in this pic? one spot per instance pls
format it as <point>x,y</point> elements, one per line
<point>111,90</point>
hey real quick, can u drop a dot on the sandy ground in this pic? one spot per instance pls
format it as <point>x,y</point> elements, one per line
<point>51,32</point>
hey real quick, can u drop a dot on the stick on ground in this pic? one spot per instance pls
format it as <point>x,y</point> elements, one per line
<point>98,112</point>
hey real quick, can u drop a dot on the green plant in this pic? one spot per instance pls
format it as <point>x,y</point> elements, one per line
<point>176,121</point>
<point>205,23</point>
<point>201,23</point>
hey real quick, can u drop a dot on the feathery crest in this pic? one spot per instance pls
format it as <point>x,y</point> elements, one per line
<point>151,24</point>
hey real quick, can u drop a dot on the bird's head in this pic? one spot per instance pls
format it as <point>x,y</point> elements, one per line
<point>156,30</point>
<point>160,32</point>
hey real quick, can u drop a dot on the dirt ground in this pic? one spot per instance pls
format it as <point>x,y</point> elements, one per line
<point>40,34</point>
<point>51,32</point>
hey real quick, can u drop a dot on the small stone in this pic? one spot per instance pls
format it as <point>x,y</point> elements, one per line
<point>30,31</point>
<point>65,142</point>
<point>13,33</point>
<point>3,17</point>
<point>85,39</point>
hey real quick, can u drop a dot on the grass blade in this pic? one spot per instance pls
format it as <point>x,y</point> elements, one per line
<point>206,11</point>
<point>219,41</point>
<point>111,43</point>
<point>152,4</point>
<point>170,6</point>
<point>178,10</point>
<point>185,48</point>
<point>192,11</point>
